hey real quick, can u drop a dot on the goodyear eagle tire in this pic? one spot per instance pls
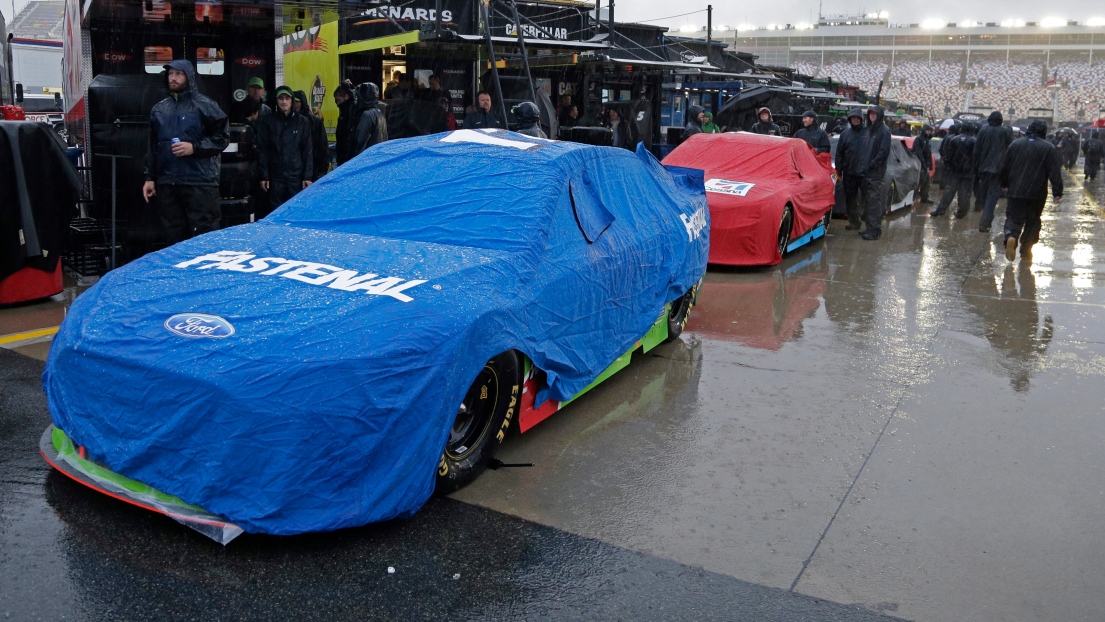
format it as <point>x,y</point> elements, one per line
<point>485,415</point>
<point>680,312</point>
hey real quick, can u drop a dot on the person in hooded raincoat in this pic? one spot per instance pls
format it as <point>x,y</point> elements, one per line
<point>696,116</point>
<point>285,150</point>
<point>528,116</point>
<point>1094,151</point>
<point>813,135</point>
<point>320,147</point>
<point>765,125</point>
<point>1029,165</point>
<point>874,157</point>
<point>1069,144</point>
<point>372,128</point>
<point>923,150</point>
<point>903,129</point>
<point>709,127</point>
<point>990,146</point>
<point>188,132</point>
<point>959,174</point>
<point>849,163</point>
<point>361,123</point>
<point>346,101</point>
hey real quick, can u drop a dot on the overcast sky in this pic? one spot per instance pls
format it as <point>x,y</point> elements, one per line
<point>761,13</point>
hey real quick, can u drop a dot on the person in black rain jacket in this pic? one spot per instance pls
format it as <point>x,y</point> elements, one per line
<point>875,154</point>
<point>346,101</point>
<point>990,146</point>
<point>1094,150</point>
<point>923,150</point>
<point>765,125</point>
<point>849,152</point>
<point>188,132</point>
<point>372,126</point>
<point>696,115</point>
<point>319,145</point>
<point>813,135</point>
<point>285,153</point>
<point>958,154</point>
<point>1029,164</point>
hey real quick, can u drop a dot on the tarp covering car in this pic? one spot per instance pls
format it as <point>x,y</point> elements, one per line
<point>302,373</point>
<point>750,179</point>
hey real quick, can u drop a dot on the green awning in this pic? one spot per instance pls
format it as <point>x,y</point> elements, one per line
<point>405,38</point>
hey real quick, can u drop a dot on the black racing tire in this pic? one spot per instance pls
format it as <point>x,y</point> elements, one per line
<point>784,230</point>
<point>680,312</point>
<point>485,415</point>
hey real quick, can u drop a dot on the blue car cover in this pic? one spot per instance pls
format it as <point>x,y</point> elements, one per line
<point>302,373</point>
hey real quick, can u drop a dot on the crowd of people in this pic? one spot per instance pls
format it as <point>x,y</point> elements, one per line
<point>290,149</point>
<point>941,81</point>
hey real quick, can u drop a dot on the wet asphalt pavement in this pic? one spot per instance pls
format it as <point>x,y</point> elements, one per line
<point>910,427</point>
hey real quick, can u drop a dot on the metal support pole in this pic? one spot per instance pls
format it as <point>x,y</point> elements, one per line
<point>113,196</point>
<point>522,49</point>
<point>610,20</point>
<point>491,53</point>
<point>114,159</point>
<point>709,30</point>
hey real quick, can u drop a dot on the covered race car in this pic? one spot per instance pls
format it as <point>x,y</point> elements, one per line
<point>768,195</point>
<point>376,336</point>
<point>903,173</point>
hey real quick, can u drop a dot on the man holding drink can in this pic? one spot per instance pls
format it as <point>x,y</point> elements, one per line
<point>188,131</point>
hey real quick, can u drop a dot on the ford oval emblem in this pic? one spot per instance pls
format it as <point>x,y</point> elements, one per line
<point>195,325</point>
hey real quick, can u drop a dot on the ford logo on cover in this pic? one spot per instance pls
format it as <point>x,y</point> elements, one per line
<point>194,325</point>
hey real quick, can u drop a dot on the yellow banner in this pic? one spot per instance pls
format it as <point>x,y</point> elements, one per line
<point>311,66</point>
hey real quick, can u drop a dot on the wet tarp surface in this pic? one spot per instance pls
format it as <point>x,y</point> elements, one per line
<point>39,189</point>
<point>749,180</point>
<point>302,373</point>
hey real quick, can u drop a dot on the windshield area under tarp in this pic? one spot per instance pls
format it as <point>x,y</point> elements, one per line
<point>464,188</point>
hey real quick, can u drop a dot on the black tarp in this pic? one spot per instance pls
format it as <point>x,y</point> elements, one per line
<point>39,189</point>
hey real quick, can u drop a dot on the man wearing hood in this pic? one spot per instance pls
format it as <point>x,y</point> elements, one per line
<point>285,150</point>
<point>765,125</point>
<point>923,150</point>
<point>849,163</point>
<point>346,101</point>
<point>1094,150</point>
<point>1029,164</point>
<point>361,124</point>
<point>957,153</point>
<point>708,126</point>
<point>696,116</point>
<point>372,128</point>
<point>903,130</point>
<point>813,135</point>
<point>873,158</point>
<point>319,145</point>
<point>528,116</point>
<point>990,146</point>
<point>188,132</point>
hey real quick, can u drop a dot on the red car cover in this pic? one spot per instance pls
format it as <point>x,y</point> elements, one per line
<point>750,179</point>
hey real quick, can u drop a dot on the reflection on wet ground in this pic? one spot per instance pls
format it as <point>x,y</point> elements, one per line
<point>909,424</point>
<point>912,425</point>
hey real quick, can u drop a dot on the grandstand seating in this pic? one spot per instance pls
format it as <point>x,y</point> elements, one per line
<point>40,19</point>
<point>1018,82</point>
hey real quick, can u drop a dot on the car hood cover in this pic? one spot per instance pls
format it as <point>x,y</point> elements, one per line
<point>295,379</point>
